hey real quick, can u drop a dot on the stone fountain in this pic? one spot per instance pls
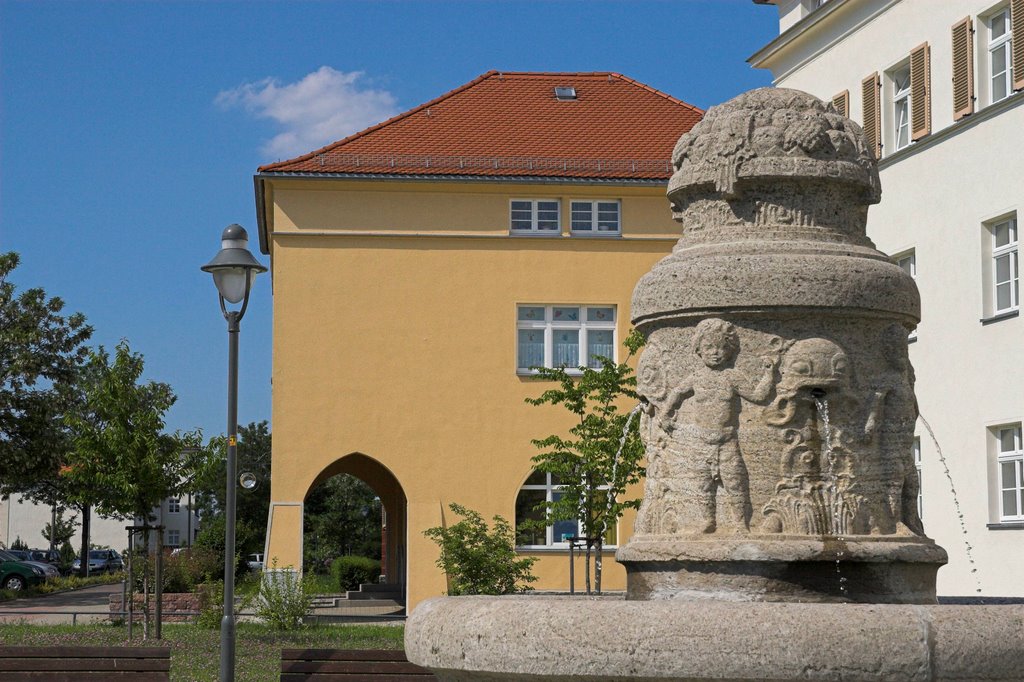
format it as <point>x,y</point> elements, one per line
<point>778,536</point>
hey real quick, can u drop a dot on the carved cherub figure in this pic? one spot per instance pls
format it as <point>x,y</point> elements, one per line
<point>714,388</point>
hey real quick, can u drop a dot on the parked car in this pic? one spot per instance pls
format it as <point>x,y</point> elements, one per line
<point>101,561</point>
<point>254,562</point>
<point>46,556</point>
<point>17,575</point>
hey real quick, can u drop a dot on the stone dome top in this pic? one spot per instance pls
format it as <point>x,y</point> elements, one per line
<point>772,133</point>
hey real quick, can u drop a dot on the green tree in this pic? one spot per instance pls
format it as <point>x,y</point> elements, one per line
<point>121,460</point>
<point>478,560</point>
<point>251,506</point>
<point>341,517</point>
<point>603,453</point>
<point>41,352</point>
<point>61,532</point>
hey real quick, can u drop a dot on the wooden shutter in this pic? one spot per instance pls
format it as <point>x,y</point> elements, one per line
<point>920,92</point>
<point>1017,38</point>
<point>963,69</point>
<point>869,88</point>
<point>842,103</point>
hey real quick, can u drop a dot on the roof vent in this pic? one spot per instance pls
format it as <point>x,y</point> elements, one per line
<point>565,94</point>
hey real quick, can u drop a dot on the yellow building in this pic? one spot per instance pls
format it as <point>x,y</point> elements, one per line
<point>421,266</point>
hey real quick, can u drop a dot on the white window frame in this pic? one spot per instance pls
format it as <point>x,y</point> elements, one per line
<point>920,483</point>
<point>1011,253</point>
<point>535,209</point>
<point>1006,68</point>
<point>593,226</point>
<point>550,542</point>
<point>901,104</point>
<point>173,538</point>
<point>550,326</point>
<point>173,505</point>
<point>1014,458</point>
<point>907,261</point>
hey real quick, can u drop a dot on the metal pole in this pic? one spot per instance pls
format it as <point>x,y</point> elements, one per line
<point>227,623</point>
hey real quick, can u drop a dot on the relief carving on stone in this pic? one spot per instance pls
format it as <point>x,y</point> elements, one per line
<point>702,467</point>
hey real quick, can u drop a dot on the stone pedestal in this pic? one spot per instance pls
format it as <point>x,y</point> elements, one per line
<point>555,639</point>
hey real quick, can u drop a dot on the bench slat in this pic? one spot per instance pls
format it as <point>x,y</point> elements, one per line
<point>343,655</point>
<point>54,676</point>
<point>316,677</point>
<point>93,664</point>
<point>350,667</point>
<point>84,652</point>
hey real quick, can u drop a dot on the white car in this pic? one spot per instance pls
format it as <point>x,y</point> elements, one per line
<point>254,562</point>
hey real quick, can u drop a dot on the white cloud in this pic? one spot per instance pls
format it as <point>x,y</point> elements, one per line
<point>322,107</point>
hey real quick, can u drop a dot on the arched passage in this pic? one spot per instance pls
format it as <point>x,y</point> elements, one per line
<point>393,500</point>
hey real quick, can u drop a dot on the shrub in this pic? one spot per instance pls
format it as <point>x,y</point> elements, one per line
<point>283,600</point>
<point>479,561</point>
<point>349,572</point>
<point>211,604</point>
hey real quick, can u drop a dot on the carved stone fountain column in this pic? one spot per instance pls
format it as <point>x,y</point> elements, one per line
<point>780,400</point>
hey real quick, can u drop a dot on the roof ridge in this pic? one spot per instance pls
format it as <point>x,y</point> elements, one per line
<point>658,92</point>
<point>367,131</point>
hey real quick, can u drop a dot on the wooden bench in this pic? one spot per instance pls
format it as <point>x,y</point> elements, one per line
<point>353,665</point>
<point>77,663</point>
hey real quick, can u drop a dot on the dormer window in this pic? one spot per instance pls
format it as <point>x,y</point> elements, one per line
<point>565,93</point>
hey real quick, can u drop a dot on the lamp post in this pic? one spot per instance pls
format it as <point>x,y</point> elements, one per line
<point>234,270</point>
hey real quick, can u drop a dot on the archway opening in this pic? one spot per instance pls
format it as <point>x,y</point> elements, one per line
<point>356,507</point>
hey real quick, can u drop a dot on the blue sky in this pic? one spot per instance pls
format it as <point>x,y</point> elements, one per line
<point>130,131</point>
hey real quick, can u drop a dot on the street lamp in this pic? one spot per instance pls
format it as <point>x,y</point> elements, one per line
<point>234,270</point>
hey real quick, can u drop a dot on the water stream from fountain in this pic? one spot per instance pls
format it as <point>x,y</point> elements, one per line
<point>821,403</point>
<point>618,453</point>
<point>956,502</point>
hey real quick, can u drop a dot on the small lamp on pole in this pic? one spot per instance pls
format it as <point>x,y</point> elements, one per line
<point>234,270</point>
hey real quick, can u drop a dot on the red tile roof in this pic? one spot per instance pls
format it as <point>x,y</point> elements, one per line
<point>511,124</point>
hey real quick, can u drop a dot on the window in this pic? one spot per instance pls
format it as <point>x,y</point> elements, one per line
<point>908,263</point>
<point>553,336</point>
<point>1010,461</point>
<point>901,107</point>
<point>999,56</point>
<point>539,489</point>
<point>173,505</point>
<point>917,465</point>
<point>173,537</point>
<point>1004,266</point>
<point>538,216</point>
<point>596,217</point>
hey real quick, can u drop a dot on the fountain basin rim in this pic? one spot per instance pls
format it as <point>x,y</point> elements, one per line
<point>538,637</point>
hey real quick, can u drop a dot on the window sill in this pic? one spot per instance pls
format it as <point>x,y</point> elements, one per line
<point>1006,525</point>
<point>1000,316</point>
<point>535,233</point>
<point>596,235</point>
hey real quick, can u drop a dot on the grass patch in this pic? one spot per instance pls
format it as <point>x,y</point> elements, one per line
<point>195,651</point>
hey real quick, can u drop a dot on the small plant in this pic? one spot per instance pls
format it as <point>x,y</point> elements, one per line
<point>480,561</point>
<point>349,572</point>
<point>283,601</point>
<point>211,604</point>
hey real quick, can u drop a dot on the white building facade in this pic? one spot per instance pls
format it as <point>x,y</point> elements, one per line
<point>20,518</point>
<point>939,87</point>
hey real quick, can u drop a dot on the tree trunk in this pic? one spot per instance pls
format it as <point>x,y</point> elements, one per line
<point>83,569</point>
<point>598,546</point>
<point>586,565</point>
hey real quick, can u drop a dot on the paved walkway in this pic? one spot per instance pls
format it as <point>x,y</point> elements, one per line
<point>83,606</point>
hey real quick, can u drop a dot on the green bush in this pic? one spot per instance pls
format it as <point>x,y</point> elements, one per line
<point>283,600</point>
<point>479,561</point>
<point>349,572</point>
<point>211,604</point>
